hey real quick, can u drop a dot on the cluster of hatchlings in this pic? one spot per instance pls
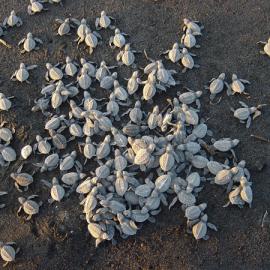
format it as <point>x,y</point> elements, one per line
<point>139,162</point>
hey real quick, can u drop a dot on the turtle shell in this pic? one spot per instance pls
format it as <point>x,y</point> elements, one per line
<point>149,91</point>
<point>91,40</point>
<point>7,253</point>
<point>57,192</point>
<point>30,207</point>
<point>187,61</point>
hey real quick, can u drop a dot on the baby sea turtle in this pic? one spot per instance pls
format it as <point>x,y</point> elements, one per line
<point>193,26</point>
<point>50,163</point>
<point>189,40</point>
<point>81,31</point>
<point>53,73</point>
<point>217,85</point>
<point>91,39</point>
<point>8,153</point>
<point>89,150</point>
<point>195,211</point>
<point>266,48</point>
<point>119,138</point>
<point>42,145</point>
<point>149,89</point>
<point>22,179</point>
<point>118,40</point>
<point>174,54</point>
<point>26,151</point>
<point>226,144</point>
<point>103,70</point>
<point>190,97</point>
<point>13,20</point>
<point>135,114</point>
<point>6,134</point>
<point>22,73</point>
<point>108,81</point>
<point>70,67</point>
<point>104,148</point>
<point>29,206</point>
<point>224,176</point>
<point>59,141</point>
<point>57,191</point>
<point>104,21</point>
<point>120,162</point>
<point>66,25</point>
<point>246,191</point>
<point>126,56</point>
<point>7,252</point>
<point>133,83</point>
<point>72,178</point>
<point>30,43</point>
<point>187,60</point>
<point>199,230</point>
<point>35,7</point>
<point>155,118</point>
<point>68,161</point>
<point>84,80</point>
<point>119,91</point>
<point>5,103</point>
<point>244,114</point>
<point>167,160</point>
<point>237,86</point>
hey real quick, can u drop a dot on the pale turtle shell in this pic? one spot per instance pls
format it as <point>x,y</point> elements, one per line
<point>84,81</point>
<point>194,179</point>
<point>199,230</point>
<point>105,123</point>
<point>56,100</point>
<point>120,163</point>
<point>192,117</point>
<point>191,147</point>
<point>102,171</point>
<point>112,108</point>
<point>200,130</point>
<point>55,73</point>
<point>132,86</point>
<point>23,179</point>
<point>107,82</point>
<point>59,141</point>
<point>120,140</point>
<point>96,231</point>
<point>119,40</point>
<point>12,20</point>
<point>121,93</point>
<point>7,253</point>
<point>142,157</point>
<point>89,150</point>
<point>199,162</point>
<point>91,40</point>
<point>26,151</point>
<point>30,207</point>
<point>101,73</point>
<point>216,86</point>
<point>121,186</point>
<point>70,69</point>
<point>90,203</point>
<point>163,75</point>
<point>84,187</point>
<point>63,29</point>
<point>53,123</point>
<point>36,7</point>
<point>44,147</point>
<point>163,182</point>
<point>57,192</point>
<point>186,198</point>
<point>29,44</point>
<point>138,216</point>
<point>138,144</point>
<point>174,55</point>
<point>143,190</point>
<point>103,150</point>
<point>66,164</point>
<point>193,212</point>
<point>8,154</point>
<point>149,91</point>
<point>104,21</point>
<point>131,130</point>
<point>75,130</point>
<point>166,162</point>
<point>70,178</point>
<point>51,160</point>
<point>224,145</point>
<point>223,177</point>
<point>22,74</point>
<point>152,203</point>
<point>5,104</point>
<point>187,61</point>
<point>237,86</point>
<point>189,41</point>
<point>214,167</point>
<point>242,113</point>
<point>154,120</point>
<point>246,194</point>
<point>187,98</point>
<point>5,134</point>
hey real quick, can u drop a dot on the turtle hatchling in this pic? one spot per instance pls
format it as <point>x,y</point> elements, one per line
<point>50,163</point>
<point>29,206</point>
<point>84,80</point>
<point>237,86</point>
<point>244,114</point>
<point>26,151</point>
<point>174,54</point>
<point>266,47</point>
<point>7,252</point>
<point>8,153</point>
<point>195,211</point>
<point>91,39</point>
<point>42,145</point>
<point>81,31</point>
<point>190,97</point>
<point>30,43</point>
<point>187,60</point>
<point>199,230</point>
<point>57,191</point>
<point>65,26</point>
<point>193,26</point>
<point>70,67</point>
<point>217,85</point>
<point>189,40</point>
<point>5,103</point>
<point>133,83</point>
<point>68,161</point>
<point>53,73</point>
<point>35,7</point>
<point>6,134</point>
<point>126,56</point>
<point>104,21</point>
<point>226,144</point>
<point>118,40</point>
<point>22,179</point>
<point>22,73</point>
<point>13,20</point>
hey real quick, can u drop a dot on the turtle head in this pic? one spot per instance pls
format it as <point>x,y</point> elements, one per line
<point>22,66</point>
<point>83,21</point>
<point>184,51</point>
<point>29,35</point>
<point>48,65</point>
<point>21,200</point>
<point>186,21</point>
<point>55,181</point>
<point>127,47</point>
<point>175,46</point>
<point>234,77</point>
<point>103,13</point>
<point>244,181</point>
<point>242,163</point>
<point>156,109</point>
<point>221,76</point>
<point>13,13</point>
<point>117,31</point>
<point>82,175</point>
<point>198,93</point>
<point>2,95</point>
<point>116,83</point>
<point>68,59</point>
<point>107,139</point>
<point>235,142</point>
<point>38,138</point>
<point>73,154</point>
<point>83,61</point>
<point>137,104</point>
<point>114,75</point>
<point>86,94</point>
